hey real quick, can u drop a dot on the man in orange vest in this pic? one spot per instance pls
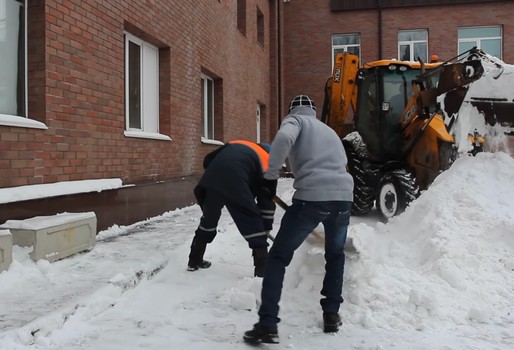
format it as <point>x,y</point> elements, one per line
<point>233,178</point>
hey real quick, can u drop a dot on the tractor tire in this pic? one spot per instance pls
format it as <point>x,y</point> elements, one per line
<point>448,153</point>
<point>363,194</point>
<point>397,189</point>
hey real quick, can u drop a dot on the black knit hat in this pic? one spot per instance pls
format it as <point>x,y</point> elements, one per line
<point>301,100</point>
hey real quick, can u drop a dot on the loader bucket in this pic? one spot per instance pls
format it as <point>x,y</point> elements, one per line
<point>456,75</point>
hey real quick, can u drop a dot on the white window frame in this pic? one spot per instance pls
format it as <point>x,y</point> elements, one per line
<point>478,40</point>
<point>411,44</point>
<point>345,47</point>
<point>208,120</point>
<point>13,119</point>
<point>258,122</point>
<point>148,90</point>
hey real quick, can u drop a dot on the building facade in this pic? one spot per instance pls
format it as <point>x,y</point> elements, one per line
<point>384,29</point>
<point>132,90</point>
<point>142,90</point>
<point>137,90</point>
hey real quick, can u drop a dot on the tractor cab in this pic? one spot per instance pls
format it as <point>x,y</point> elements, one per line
<point>384,88</point>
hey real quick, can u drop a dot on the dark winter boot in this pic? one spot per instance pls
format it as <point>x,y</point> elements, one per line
<point>331,322</point>
<point>260,256</point>
<point>196,256</point>
<point>261,334</point>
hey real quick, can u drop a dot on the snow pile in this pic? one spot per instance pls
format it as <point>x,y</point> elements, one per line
<point>496,83</point>
<point>23,193</point>
<point>447,260</point>
<point>439,276</point>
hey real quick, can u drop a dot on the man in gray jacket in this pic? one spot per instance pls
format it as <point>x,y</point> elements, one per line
<point>323,194</point>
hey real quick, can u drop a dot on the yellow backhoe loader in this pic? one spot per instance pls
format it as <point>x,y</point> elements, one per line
<point>403,115</point>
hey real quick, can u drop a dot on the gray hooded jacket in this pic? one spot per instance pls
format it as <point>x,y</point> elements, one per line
<point>316,156</point>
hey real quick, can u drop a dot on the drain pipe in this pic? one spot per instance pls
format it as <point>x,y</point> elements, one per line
<point>279,64</point>
<point>379,13</point>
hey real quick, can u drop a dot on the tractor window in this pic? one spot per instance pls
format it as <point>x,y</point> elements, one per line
<point>367,115</point>
<point>382,96</point>
<point>397,90</point>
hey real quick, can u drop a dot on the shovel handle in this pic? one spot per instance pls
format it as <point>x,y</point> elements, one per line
<point>280,202</point>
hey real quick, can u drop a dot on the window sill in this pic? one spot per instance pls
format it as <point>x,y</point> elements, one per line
<point>147,135</point>
<point>211,142</point>
<point>21,122</point>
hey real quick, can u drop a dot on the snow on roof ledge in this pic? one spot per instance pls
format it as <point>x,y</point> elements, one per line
<point>41,222</point>
<point>23,193</point>
<point>5,232</point>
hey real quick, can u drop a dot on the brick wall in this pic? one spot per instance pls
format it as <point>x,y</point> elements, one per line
<point>310,24</point>
<point>76,76</point>
<point>443,22</point>
<point>76,87</point>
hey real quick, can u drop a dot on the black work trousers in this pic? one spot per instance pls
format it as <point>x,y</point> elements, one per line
<point>246,217</point>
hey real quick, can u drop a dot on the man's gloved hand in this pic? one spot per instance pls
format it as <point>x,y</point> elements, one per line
<point>269,188</point>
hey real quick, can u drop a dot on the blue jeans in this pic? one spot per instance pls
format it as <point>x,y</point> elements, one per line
<point>298,222</point>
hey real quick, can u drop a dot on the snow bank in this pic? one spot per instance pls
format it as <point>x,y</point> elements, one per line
<point>447,259</point>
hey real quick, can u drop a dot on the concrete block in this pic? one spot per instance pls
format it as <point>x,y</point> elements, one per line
<point>54,237</point>
<point>5,249</point>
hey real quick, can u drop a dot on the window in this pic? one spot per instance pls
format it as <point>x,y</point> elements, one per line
<point>260,27</point>
<point>262,121</point>
<point>13,82</point>
<point>208,107</point>
<point>241,16</point>
<point>412,45</point>
<point>212,107</point>
<point>489,39</point>
<point>141,86</point>
<point>345,43</point>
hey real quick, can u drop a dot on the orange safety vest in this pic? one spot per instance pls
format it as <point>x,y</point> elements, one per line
<point>261,152</point>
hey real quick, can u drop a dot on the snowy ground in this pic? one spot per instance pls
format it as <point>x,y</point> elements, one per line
<point>440,276</point>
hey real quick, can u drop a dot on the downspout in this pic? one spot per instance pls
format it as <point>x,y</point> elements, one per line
<point>379,13</point>
<point>279,64</point>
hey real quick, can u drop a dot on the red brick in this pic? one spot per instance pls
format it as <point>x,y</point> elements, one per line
<point>76,76</point>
